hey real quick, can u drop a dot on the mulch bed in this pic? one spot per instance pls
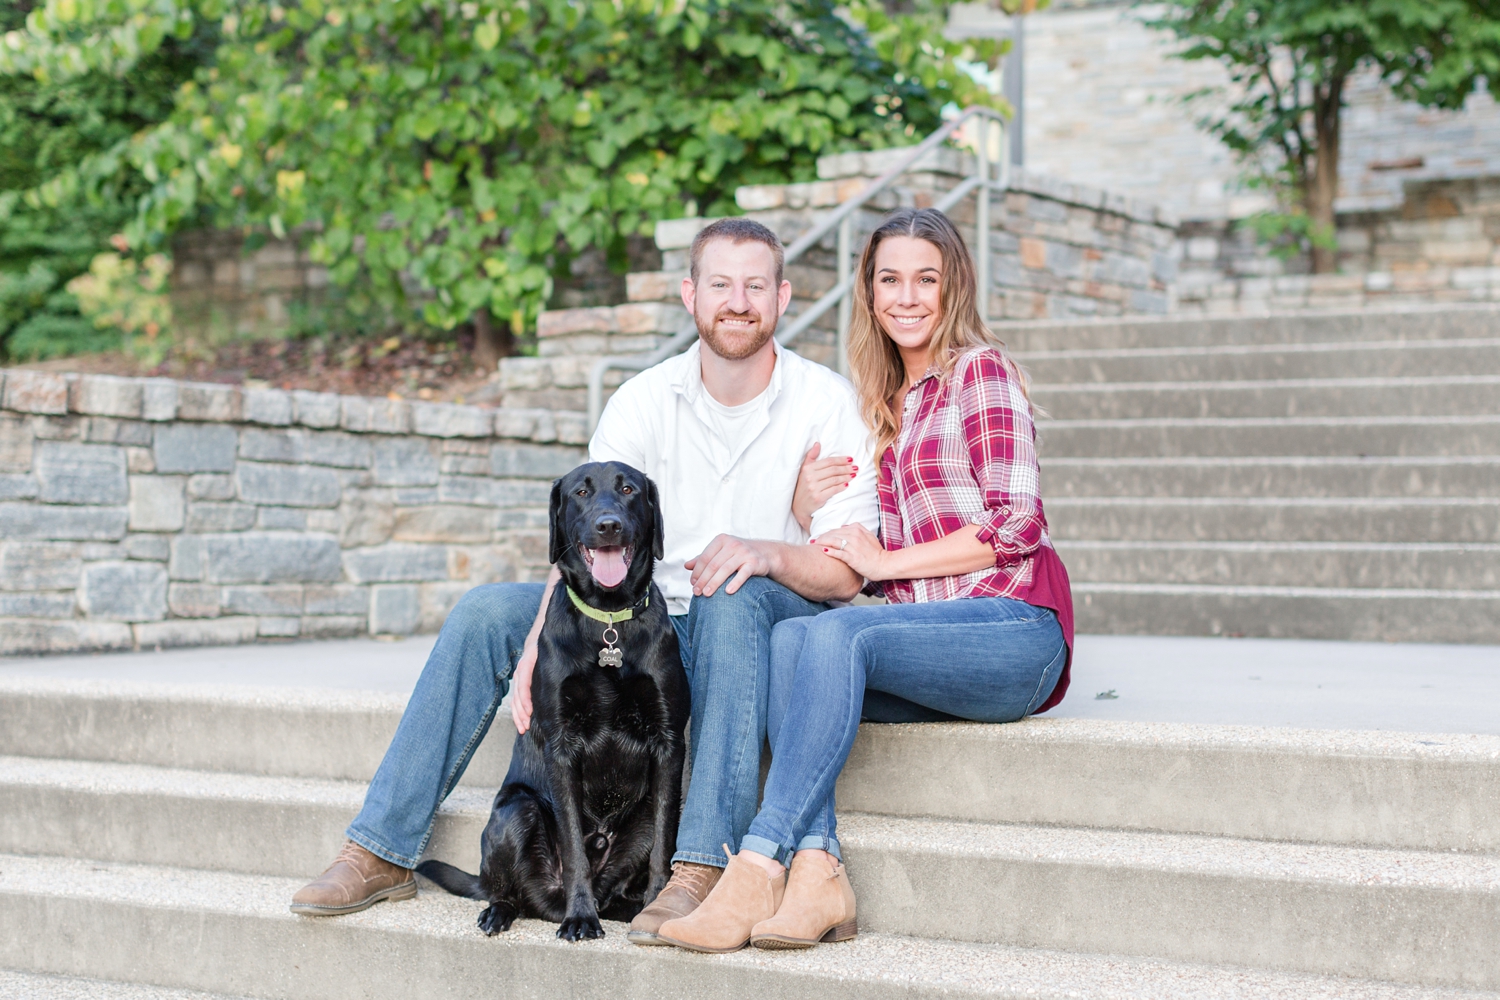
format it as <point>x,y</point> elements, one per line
<point>397,367</point>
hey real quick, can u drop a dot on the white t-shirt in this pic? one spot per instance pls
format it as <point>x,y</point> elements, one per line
<point>736,425</point>
<point>664,423</point>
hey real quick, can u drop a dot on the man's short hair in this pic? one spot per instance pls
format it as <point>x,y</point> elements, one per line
<point>736,230</point>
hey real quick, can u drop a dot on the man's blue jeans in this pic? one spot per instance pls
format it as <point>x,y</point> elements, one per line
<point>726,649</point>
<point>986,659</point>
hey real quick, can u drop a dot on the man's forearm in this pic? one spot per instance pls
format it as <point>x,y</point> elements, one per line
<point>806,571</point>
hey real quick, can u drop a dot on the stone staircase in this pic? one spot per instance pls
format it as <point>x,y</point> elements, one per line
<point>1314,475</point>
<point>152,834</point>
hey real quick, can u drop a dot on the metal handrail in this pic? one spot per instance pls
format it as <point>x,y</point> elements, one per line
<point>841,219</point>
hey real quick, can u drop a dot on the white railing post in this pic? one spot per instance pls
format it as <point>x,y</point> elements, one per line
<point>846,303</point>
<point>982,217</point>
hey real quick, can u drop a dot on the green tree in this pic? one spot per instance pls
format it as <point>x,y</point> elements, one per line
<point>1290,62</point>
<point>47,127</point>
<point>452,155</point>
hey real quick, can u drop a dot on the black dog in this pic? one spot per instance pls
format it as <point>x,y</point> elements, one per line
<point>586,822</point>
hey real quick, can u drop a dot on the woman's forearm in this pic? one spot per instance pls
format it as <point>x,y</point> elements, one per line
<point>957,552</point>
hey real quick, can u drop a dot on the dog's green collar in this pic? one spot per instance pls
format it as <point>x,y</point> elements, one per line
<point>607,617</point>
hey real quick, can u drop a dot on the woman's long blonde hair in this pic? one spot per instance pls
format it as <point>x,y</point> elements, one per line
<point>874,361</point>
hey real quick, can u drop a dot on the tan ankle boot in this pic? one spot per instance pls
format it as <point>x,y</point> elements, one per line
<point>356,880</point>
<point>744,897</point>
<point>819,906</point>
<point>689,886</point>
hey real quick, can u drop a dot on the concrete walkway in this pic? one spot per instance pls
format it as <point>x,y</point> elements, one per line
<point>1265,682</point>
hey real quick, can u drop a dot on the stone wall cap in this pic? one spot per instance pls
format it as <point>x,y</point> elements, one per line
<point>677,234</point>
<point>156,399</point>
<point>1047,186</point>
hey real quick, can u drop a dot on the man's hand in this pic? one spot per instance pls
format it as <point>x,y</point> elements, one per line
<point>520,686</point>
<point>727,558</point>
<point>819,480</point>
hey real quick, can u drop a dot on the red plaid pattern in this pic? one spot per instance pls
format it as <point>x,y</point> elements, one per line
<point>966,455</point>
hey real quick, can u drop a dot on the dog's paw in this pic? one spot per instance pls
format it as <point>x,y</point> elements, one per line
<point>495,918</point>
<point>580,929</point>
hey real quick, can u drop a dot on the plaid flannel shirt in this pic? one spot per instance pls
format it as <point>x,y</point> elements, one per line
<point>966,455</point>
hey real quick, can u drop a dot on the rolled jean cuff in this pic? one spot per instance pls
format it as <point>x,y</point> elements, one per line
<point>767,848</point>
<point>820,843</point>
<point>380,852</point>
<point>776,852</point>
<point>700,859</point>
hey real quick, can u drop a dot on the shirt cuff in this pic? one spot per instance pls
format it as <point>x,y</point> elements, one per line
<point>1009,533</point>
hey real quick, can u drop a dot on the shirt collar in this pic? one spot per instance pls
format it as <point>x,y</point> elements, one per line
<point>932,372</point>
<point>688,381</point>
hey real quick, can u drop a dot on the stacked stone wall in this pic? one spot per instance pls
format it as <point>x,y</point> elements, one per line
<point>1441,245</point>
<point>138,513</point>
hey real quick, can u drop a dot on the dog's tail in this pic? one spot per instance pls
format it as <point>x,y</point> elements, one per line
<point>454,880</point>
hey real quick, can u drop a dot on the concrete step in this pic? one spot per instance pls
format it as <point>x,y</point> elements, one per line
<point>201,819</point>
<point>1292,907</point>
<point>1281,519</point>
<point>1420,566</point>
<point>1360,359</point>
<point>1418,323</point>
<point>1344,614</point>
<point>35,986</point>
<point>1458,395</point>
<point>287,732</point>
<point>1390,790</point>
<point>1306,908</point>
<point>1282,476</point>
<point>1249,436</point>
<point>232,933</point>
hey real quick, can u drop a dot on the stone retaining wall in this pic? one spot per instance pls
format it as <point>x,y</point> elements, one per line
<point>138,513</point>
<point>1441,245</point>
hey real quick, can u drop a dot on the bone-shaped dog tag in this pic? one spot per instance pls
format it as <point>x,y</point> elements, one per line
<point>611,657</point>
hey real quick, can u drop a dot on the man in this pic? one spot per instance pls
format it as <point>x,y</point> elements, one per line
<point>722,429</point>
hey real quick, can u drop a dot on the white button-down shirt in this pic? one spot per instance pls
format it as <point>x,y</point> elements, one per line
<point>659,422</point>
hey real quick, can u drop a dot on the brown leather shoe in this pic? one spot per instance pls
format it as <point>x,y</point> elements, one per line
<point>744,897</point>
<point>690,885</point>
<point>356,880</point>
<point>818,906</point>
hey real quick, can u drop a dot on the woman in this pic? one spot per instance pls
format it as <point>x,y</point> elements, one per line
<point>980,620</point>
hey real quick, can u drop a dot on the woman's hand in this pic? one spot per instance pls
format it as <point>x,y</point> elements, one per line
<point>858,548</point>
<point>819,480</point>
<point>520,686</point>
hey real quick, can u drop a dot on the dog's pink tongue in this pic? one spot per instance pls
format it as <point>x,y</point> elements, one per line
<point>609,566</point>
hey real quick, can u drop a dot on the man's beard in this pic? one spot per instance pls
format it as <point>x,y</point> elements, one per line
<point>735,345</point>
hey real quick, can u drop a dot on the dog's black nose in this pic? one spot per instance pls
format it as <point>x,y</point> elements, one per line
<point>607,527</point>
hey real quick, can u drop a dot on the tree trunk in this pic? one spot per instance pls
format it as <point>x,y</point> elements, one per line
<point>492,341</point>
<point>1323,186</point>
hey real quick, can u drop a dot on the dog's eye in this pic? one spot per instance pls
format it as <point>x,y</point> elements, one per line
<point>582,493</point>
<point>627,488</point>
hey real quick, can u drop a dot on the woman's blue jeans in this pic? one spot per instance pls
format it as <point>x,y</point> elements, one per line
<point>985,659</point>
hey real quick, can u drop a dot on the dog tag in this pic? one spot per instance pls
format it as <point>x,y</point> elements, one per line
<point>611,657</point>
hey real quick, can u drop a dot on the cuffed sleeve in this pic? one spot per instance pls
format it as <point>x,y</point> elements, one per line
<point>1001,438</point>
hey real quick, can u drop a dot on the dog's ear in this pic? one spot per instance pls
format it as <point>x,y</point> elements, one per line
<point>556,530</point>
<point>658,528</point>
